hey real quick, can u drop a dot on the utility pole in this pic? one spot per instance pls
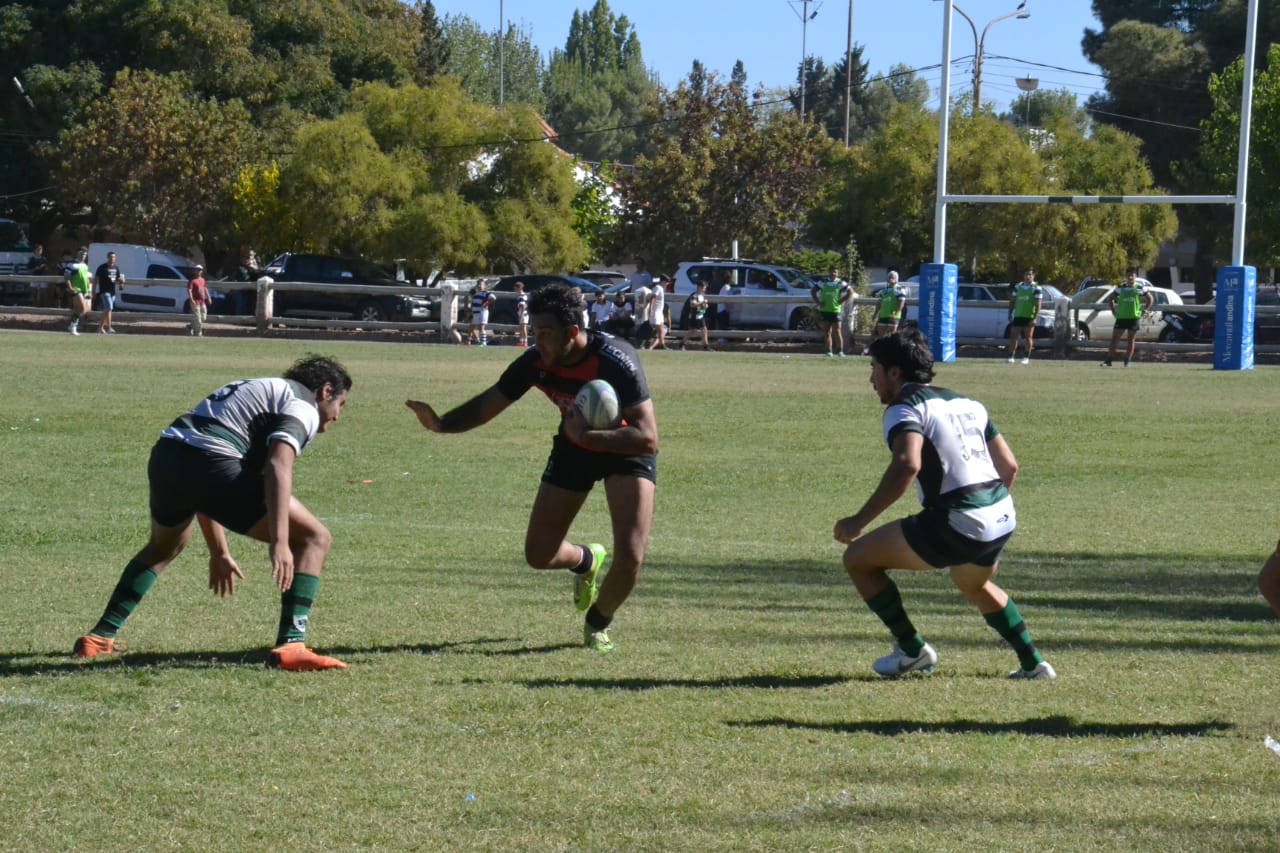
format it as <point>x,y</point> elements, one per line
<point>502,43</point>
<point>805,18</point>
<point>848,74</point>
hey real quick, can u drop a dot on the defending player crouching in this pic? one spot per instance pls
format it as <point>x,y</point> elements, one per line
<point>947,445</point>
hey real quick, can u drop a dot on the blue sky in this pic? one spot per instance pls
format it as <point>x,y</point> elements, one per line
<point>767,36</point>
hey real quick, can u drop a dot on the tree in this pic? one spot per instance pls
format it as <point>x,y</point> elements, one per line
<point>1044,107</point>
<point>597,89</point>
<point>473,59</point>
<point>432,51</point>
<point>155,160</point>
<point>428,175</point>
<point>884,195</point>
<point>720,172</point>
<point>1219,152</point>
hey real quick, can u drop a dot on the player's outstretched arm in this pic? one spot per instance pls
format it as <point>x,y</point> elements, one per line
<point>1002,457</point>
<point>223,569</point>
<point>477,411</point>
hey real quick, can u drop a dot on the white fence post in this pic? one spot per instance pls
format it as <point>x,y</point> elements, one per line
<point>265,303</point>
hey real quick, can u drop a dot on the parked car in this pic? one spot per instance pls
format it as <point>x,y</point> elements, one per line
<point>608,279</point>
<point>15,252</point>
<point>988,320</point>
<point>790,305</point>
<point>1092,323</point>
<point>1188,327</point>
<point>331,269</point>
<point>504,310</point>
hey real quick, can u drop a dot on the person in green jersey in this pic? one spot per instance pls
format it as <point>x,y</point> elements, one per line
<point>893,299</point>
<point>1028,297</point>
<point>947,445</point>
<point>79,289</point>
<point>1128,302</point>
<point>830,296</point>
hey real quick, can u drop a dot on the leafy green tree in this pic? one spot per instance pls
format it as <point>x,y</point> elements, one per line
<point>155,160</point>
<point>1219,153</point>
<point>432,51</point>
<point>1045,107</point>
<point>720,172</point>
<point>473,59</point>
<point>595,211</point>
<point>428,175</point>
<point>598,90</point>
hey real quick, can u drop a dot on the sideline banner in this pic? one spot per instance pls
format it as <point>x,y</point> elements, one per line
<point>1235,302</point>
<point>939,286</point>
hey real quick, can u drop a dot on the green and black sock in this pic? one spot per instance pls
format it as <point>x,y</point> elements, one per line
<point>295,609</point>
<point>887,604</point>
<point>137,578</point>
<point>597,620</point>
<point>1008,624</point>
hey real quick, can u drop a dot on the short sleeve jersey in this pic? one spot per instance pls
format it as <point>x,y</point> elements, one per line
<point>1129,301</point>
<point>241,419</point>
<point>608,358</point>
<point>956,471</point>
<point>522,307</point>
<point>657,302</point>
<point>698,305</point>
<point>78,274</point>
<point>1025,297</point>
<point>829,295</point>
<point>480,300</point>
<point>891,302</point>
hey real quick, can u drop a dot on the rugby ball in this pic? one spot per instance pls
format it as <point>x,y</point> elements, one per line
<point>598,403</point>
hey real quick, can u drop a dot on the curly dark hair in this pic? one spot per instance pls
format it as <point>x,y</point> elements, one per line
<point>559,301</point>
<point>907,349</point>
<point>314,371</point>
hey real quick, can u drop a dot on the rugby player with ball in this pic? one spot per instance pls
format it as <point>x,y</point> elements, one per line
<point>564,358</point>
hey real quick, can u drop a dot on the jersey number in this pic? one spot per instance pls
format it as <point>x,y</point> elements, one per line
<point>224,392</point>
<point>972,442</point>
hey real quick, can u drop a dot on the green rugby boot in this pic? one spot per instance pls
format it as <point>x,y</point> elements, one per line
<point>587,584</point>
<point>597,640</point>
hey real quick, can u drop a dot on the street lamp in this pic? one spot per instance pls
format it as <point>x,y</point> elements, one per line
<point>979,45</point>
<point>805,18</point>
<point>1027,84</point>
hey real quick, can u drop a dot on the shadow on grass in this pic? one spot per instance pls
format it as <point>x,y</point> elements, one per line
<point>766,682</point>
<point>1051,726</point>
<point>36,663</point>
<point>1168,586</point>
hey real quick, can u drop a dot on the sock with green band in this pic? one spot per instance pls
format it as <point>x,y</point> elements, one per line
<point>887,604</point>
<point>1008,624</point>
<point>133,585</point>
<point>295,609</point>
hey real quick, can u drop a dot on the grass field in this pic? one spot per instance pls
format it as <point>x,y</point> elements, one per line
<point>740,712</point>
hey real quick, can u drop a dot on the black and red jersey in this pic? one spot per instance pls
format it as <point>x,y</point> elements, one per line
<point>608,358</point>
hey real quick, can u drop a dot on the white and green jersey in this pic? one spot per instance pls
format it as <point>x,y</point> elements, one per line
<point>1025,298</point>
<point>956,472</point>
<point>241,419</point>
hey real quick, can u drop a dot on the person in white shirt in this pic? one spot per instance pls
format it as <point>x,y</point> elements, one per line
<point>600,310</point>
<point>657,312</point>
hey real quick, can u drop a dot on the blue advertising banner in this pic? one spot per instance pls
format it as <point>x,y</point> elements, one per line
<point>1236,302</point>
<point>939,286</point>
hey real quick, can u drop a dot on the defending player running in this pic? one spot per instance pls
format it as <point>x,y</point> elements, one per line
<point>564,356</point>
<point>963,468</point>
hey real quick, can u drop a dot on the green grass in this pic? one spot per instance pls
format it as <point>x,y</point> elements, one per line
<point>739,713</point>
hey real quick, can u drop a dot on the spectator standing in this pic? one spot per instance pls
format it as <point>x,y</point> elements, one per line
<point>641,286</point>
<point>198,296</point>
<point>1128,302</point>
<point>1028,297</point>
<point>38,264</point>
<point>698,306</point>
<point>830,296</point>
<point>964,477</point>
<point>247,271</point>
<point>657,313</point>
<point>584,310</point>
<point>893,299</point>
<point>522,314</point>
<point>481,301</point>
<point>109,280</point>
<point>79,283</point>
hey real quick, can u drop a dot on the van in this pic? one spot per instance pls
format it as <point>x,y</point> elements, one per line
<point>139,263</point>
<point>790,307</point>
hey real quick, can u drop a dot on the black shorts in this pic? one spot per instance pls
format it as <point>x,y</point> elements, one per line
<point>185,480</point>
<point>1021,322</point>
<point>931,537</point>
<point>1127,325</point>
<point>698,322</point>
<point>830,316</point>
<point>577,470</point>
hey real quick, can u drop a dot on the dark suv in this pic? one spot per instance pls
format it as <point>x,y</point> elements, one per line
<point>504,311</point>
<point>330,269</point>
